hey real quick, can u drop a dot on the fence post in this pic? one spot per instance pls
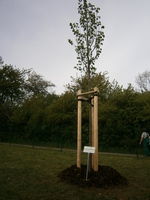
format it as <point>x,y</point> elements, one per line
<point>137,153</point>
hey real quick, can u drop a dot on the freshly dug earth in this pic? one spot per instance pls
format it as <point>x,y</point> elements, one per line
<point>103,178</point>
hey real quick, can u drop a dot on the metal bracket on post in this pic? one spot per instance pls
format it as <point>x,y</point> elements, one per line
<point>88,150</point>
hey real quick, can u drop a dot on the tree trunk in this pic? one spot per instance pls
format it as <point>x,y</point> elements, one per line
<point>90,117</point>
<point>90,135</point>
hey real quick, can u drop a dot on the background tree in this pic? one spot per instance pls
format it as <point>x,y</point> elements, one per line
<point>89,38</point>
<point>12,82</point>
<point>23,96</point>
<point>1,61</point>
<point>35,84</point>
<point>101,80</point>
<point>11,92</point>
<point>143,81</point>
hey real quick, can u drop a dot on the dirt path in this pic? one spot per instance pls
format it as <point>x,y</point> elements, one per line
<point>64,149</point>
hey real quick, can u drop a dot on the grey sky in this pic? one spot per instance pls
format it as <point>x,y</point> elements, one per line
<point>34,34</point>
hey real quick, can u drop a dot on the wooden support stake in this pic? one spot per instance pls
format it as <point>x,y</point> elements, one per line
<point>90,92</point>
<point>96,131</point>
<point>79,131</point>
<point>92,110</point>
<point>83,98</point>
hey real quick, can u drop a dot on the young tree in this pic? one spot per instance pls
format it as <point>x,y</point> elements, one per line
<point>89,39</point>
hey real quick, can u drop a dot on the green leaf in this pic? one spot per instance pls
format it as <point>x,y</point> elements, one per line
<point>70,41</point>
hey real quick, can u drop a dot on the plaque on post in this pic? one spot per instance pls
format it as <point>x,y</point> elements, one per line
<point>88,149</point>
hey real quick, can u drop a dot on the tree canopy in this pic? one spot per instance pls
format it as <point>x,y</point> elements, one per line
<point>89,37</point>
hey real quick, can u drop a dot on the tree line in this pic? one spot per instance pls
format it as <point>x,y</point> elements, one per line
<point>31,111</point>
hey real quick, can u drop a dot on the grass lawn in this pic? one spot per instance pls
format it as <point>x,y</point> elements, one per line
<point>31,173</point>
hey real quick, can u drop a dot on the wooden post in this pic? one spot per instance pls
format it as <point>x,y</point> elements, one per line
<point>92,114</point>
<point>79,131</point>
<point>96,130</point>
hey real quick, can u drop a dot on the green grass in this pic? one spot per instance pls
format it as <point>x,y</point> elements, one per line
<point>31,173</point>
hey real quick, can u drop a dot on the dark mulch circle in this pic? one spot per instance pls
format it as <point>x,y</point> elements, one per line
<point>105,177</point>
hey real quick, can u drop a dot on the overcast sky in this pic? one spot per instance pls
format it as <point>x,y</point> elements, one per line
<point>34,34</point>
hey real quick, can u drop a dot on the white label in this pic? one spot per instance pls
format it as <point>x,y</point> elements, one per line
<point>88,149</point>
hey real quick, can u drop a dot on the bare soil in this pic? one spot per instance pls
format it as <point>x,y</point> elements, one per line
<point>105,177</point>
